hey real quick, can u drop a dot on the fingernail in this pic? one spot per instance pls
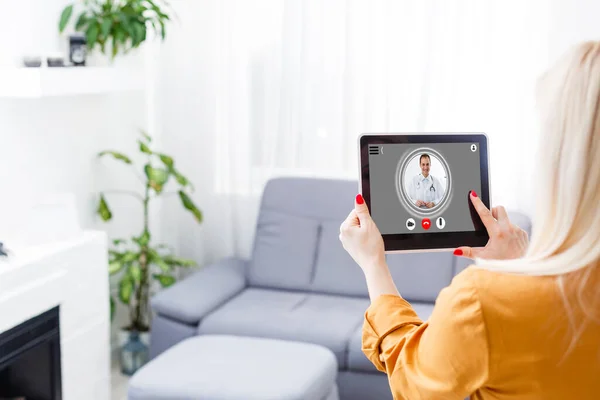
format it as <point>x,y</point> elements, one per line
<point>458,252</point>
<point>359,199</point>
<point>473,193</point>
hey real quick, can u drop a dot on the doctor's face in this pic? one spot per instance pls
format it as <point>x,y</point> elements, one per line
<point>425,166</point>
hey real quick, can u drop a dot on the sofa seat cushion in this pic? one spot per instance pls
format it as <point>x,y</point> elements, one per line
<point>357,361</point>
<point>326,320</point>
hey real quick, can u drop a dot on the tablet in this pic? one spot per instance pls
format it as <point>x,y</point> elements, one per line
<point>417,188</point>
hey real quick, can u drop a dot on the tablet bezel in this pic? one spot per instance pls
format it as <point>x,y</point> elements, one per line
<point>431,241</point>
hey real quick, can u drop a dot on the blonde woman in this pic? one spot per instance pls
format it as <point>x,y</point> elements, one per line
<point>524,321</point>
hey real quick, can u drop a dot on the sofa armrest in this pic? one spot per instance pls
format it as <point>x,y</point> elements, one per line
<point>189,300</point>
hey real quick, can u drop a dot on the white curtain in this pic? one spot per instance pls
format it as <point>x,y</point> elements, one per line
<point>249,90</point>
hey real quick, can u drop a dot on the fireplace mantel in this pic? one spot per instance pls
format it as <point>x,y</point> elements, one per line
<point>72,275</point>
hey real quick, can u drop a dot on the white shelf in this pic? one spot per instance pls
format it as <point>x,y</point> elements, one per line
<point>67,81</point>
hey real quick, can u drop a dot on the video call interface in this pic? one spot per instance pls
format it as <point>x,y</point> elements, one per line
<point>423,188</point>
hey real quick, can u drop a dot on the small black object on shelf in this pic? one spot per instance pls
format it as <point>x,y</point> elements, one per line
<point>77,50</point>
<point>56,61</point>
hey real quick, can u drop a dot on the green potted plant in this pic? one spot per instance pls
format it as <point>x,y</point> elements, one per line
<point>116,26</point>
<point>136,262</point>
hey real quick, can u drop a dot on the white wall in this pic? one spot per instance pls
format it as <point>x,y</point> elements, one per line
<point>50,144</point>
<point>572,22</point>
<point>186,90</point>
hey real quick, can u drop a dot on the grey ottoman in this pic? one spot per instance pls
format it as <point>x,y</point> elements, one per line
<point>215,367</point>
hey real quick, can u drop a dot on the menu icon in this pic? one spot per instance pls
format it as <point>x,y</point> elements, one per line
<point>375,150</point>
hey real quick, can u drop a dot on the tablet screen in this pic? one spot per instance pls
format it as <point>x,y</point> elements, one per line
<point>423,187</point>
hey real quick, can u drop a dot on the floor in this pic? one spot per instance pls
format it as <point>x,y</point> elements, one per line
<point>118,382</point>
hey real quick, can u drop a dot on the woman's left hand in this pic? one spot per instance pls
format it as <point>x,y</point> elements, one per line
<point>361,237</point>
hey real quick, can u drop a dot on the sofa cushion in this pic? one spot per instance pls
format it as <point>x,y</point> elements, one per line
<point>284,251</point>
<point>357,361</point>
<point>335,271</point>
<point>421,276</point>
<point>295,213</point>
<point>326,320</point>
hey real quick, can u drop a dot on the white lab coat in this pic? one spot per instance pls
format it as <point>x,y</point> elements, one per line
<point>427,189</point>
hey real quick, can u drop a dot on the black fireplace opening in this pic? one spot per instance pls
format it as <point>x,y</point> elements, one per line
<point>30,359</point>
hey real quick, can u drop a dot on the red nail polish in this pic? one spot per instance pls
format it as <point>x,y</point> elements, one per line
<point>359,199</point>
<point>473,193</point>
<point>458,252</point>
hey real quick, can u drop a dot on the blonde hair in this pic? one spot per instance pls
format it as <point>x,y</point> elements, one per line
<point>565,240</point>
<point>566,222</point>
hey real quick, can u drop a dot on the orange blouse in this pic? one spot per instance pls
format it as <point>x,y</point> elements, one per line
<point>492,336</point>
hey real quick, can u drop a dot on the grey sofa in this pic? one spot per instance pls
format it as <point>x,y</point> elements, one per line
<point>300,284</point>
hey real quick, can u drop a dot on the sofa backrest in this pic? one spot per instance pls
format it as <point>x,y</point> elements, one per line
<point>297,245</point>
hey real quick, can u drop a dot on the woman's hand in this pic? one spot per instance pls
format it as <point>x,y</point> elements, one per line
<point>507,241</point>
<point>362,240</point>
<point>361,237</point>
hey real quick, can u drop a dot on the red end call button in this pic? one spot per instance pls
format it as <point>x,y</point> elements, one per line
<point>426,223</point>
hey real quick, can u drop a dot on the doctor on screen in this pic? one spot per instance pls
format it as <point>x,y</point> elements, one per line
<point>425,190</point>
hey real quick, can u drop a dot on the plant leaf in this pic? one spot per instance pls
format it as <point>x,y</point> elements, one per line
<point>115,47</point>
<point>157,177</point>
<point>92,34</point>
<point>81,21</point>
<point>115,267</point>
<point>156,259</point>
<point>105,29</point>
<point>126,24</point>
<point>129,256</point>
<point>144,238</point>
<point>64,18</point>
<point>112,308</point>
<point>163,32</point>
<point>138,34</point>
<point>144,31</point>
<point>167,160</point>
<point>116,155</point>
<point>136,273</point>
<point>146,136</point>
<point>125,289</point>
<point>103,209</point>
<point>189,205</point>
<point>114,255</point>
<point>144,148</point>
<point>117,242</point>
<point>165,280</point>
<point>179,262</point>
<point>182,180</point>
<point>119,35</point>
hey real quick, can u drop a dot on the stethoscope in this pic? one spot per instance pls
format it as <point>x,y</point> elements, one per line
<point>431,188</point>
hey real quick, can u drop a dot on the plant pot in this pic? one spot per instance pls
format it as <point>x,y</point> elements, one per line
<point>134,352</point>
<point>123,337</point>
